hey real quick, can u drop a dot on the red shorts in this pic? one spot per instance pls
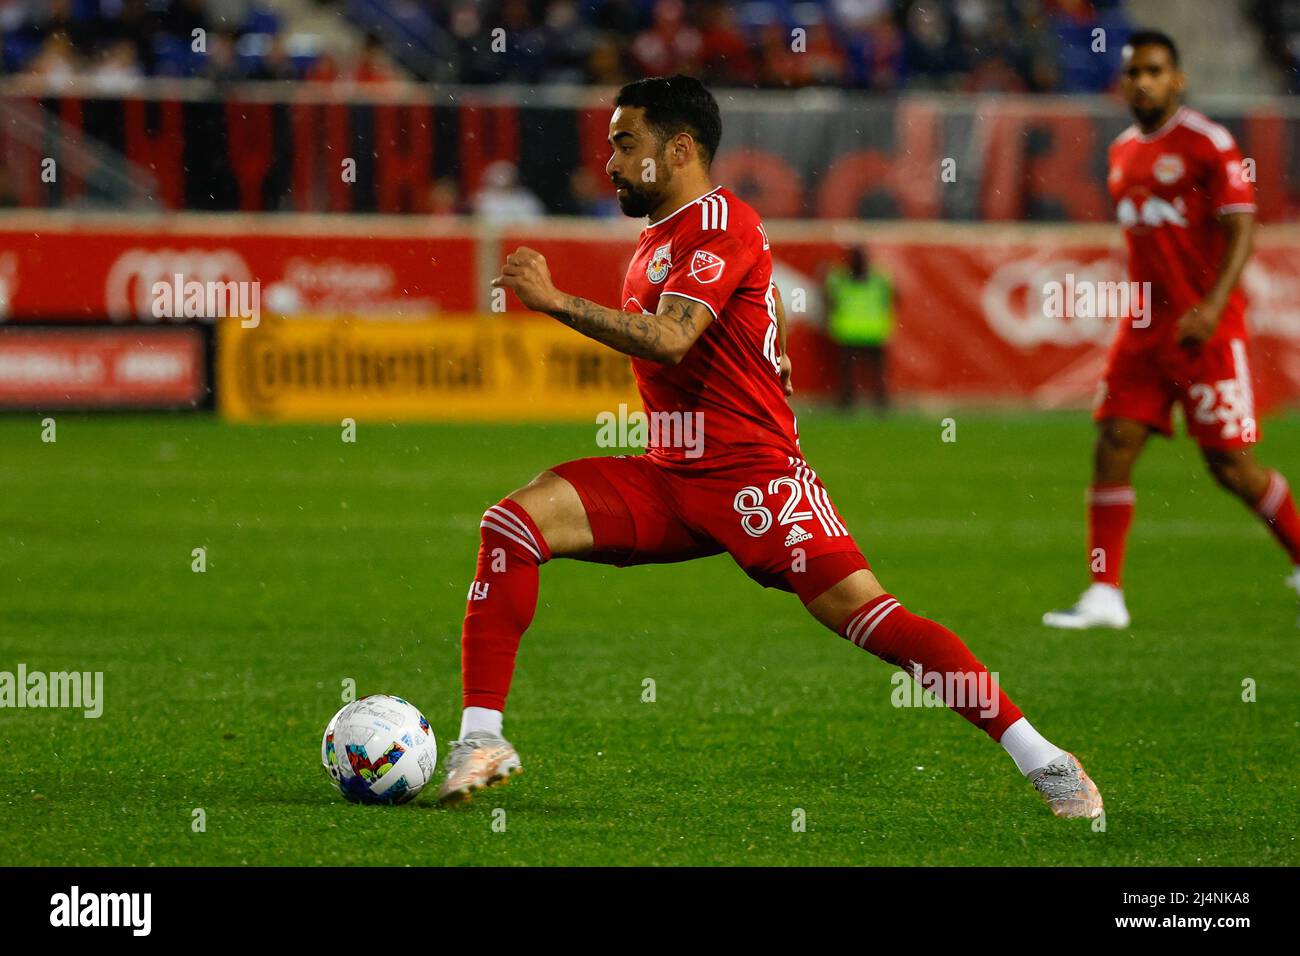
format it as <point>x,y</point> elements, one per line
<point>770,512</point>
<point>1212,383</point>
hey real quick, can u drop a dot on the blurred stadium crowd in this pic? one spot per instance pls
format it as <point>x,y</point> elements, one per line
<point>116,41</point>
<point>880,45</point>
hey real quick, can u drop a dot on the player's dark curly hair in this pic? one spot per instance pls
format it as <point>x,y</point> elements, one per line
<point>675,104</point>
<point>1153,38</point>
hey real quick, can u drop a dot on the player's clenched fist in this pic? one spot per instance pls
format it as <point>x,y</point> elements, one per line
<point>1198,323</point>
<point>525,271</point>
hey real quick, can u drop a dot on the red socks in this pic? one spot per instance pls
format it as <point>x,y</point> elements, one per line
<point>936,658</point>
<point>1110,512</point>
<point>502,601</point>
<point>1277,508</point>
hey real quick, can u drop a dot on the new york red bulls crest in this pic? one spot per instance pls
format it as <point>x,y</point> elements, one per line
<point>657,270</point>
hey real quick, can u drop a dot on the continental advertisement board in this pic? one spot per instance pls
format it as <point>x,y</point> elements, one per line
<point>445,367</point>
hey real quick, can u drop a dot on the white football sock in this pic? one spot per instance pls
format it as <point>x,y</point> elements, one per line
<point>480,718</point>
<point>1027,747</point>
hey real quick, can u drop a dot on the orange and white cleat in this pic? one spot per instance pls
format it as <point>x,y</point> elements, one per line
<point>1067,788</point>
<point>479,761</point>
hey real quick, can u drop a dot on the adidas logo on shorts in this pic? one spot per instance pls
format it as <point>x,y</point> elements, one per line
<point>796,535</point>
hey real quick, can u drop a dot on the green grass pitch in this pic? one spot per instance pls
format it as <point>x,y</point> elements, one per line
<point>329,561</point>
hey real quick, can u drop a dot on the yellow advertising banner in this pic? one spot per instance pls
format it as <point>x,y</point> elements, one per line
<point>445,367</point>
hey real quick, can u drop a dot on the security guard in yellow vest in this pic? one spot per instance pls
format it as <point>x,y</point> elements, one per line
<point>860,320</point>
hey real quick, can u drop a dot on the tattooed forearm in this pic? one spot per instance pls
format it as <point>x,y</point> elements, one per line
<point>630,332</point>
<point>682,313</point>
<point>660,338</point>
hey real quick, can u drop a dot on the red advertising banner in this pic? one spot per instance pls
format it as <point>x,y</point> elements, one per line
<point>75,270</point>
<point>45,367</point>
<point>971,325</point>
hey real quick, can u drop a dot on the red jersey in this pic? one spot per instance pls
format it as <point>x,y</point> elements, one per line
<point>713,250</point>
<point>1169,187</point>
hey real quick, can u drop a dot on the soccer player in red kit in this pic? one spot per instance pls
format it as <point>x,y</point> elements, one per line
<point>723,471</point>
<point>1187,206</point>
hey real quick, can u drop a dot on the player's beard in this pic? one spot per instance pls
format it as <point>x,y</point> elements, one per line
<point>1149,116</point>
<point>639,200</point>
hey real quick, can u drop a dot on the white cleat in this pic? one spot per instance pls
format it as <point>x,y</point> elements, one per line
<point>1102,605</point>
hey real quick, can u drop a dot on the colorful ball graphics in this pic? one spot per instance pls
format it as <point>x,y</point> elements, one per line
<point>379,749</point>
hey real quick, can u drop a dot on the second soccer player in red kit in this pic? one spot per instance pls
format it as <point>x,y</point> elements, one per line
<point>1186,202</point>
<point>723,470</point>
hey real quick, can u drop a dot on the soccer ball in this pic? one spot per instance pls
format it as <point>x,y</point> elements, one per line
<point>379,749</point>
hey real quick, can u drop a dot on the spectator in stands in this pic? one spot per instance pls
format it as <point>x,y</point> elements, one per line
<point>932,53</point>
<point>1036,51</point>
<point>57,59</point>
<point>59,16</point>
<point>775,56</point>
<point>567,42</point>
<point>524,56</point>
<point>472,51</point>
<point>725,55</point>
<point>221,64</point>
<point>502,199</point>
<point>822,62</point>
<point>326,67</point>
<point>136,24</point>
<point>117,70</point>
<point>878,48</point>
<point>373,64</point>
<point>605,66</point>
<point>275,64</point>
<point>984,31</point>
<point>670,45</point>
